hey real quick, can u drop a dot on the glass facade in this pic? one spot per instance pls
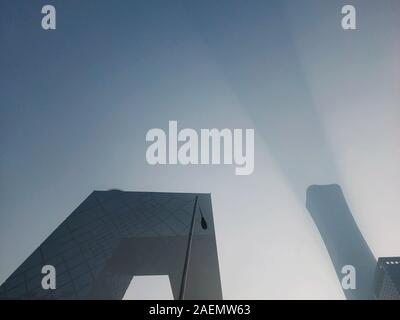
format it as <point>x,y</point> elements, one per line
<point>387,279</point>
<point>113,236</point>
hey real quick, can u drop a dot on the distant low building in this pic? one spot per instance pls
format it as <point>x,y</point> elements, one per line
<point>387,279</point>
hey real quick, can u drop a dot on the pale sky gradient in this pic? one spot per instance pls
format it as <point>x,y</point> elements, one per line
<point>76,103</point>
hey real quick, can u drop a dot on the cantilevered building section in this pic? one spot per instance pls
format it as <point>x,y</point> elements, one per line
<point>387,279</point>
<point>114,236</point>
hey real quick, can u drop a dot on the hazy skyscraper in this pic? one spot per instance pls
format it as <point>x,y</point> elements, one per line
<point>342,237</point>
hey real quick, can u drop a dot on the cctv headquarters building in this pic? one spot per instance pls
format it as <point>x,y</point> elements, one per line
<point>114,236</point>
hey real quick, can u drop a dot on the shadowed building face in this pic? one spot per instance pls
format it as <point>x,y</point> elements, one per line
<point>112,237</point>
<point>342,237</point>
<point>387,279</point>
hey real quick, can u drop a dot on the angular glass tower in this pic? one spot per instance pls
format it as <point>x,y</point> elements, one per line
<point>115,235</point>
<point>387,279</point>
